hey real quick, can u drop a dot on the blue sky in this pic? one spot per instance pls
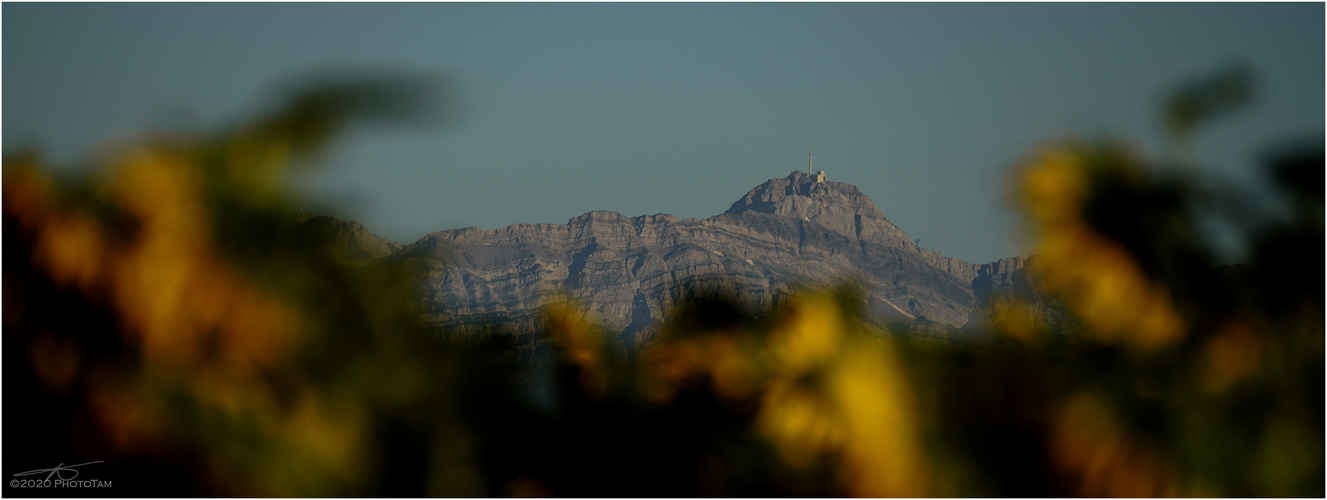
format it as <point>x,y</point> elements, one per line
<point>673,108</point>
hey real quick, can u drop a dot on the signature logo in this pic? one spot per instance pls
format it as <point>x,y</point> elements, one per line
<point>58,471</point>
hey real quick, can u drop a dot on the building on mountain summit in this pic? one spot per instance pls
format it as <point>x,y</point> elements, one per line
<point>810,162</point>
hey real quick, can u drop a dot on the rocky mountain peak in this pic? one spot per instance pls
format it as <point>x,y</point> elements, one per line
<point>835,205</point>
<point>629,272</point>
<point>806,196</point>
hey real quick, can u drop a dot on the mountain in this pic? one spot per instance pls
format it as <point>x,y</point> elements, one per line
<point>628,272</point>
<point>350,240</point>
<point>1017,281</point>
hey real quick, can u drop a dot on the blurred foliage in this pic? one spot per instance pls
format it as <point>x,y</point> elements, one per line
<point>1197,101</point>
<point>1188,378</point>
<point>164,313</point>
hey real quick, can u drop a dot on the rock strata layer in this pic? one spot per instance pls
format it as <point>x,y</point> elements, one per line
<point>629,272</point>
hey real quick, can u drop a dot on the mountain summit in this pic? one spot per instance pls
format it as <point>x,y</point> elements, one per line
<point>838,206</point>
<point>629,272</point>
<point>805,195</point>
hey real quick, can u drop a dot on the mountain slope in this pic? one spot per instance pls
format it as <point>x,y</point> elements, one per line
<point>350,240</point>
<point>630,271</point>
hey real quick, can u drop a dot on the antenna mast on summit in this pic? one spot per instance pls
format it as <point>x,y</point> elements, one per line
<point>809,161</point>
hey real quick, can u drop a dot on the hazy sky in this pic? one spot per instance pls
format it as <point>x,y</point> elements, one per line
<point>674,108</point>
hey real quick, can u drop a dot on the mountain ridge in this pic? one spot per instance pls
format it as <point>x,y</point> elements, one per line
<point>628,272</point>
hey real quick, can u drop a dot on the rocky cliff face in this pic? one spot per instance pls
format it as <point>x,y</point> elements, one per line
<point>1015,281</point>
<point>630,271</point>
